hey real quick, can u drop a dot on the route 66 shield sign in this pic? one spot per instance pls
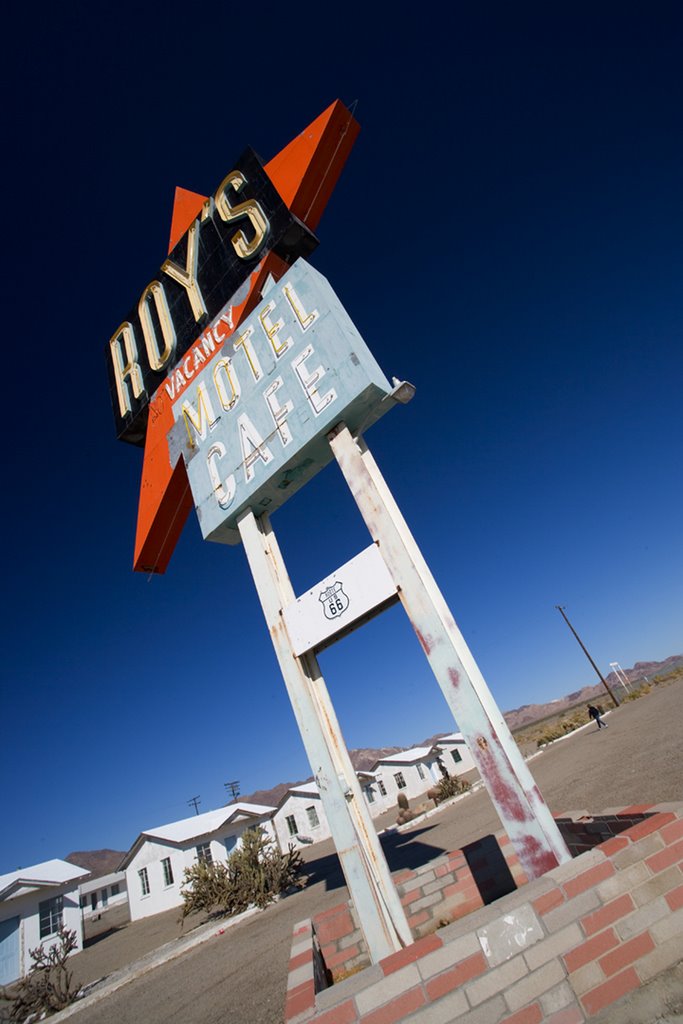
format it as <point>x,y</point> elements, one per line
<point>334,601</point>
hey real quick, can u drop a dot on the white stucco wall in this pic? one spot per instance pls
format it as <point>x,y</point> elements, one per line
<point>151,854</point>
<point>448,745</point>
<point>97,888</point>
<point>297,804</point>
<point>25,907</point>
<point>380,804</point>
<point>415,786</point>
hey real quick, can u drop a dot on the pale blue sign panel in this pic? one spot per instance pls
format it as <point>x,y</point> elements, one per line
<point>252,424</point>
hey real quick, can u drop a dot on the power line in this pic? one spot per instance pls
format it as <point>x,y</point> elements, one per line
<point>194,802</point>
<point>233,788</point>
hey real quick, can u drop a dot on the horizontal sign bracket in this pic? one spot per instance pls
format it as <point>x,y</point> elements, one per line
<point>352,595</point>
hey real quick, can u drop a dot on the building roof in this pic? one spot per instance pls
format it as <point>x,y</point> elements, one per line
<point>451,737</point>
<point>198,825</point>
<point>48,875</point>
<point>406,756</point>
<point>309,788</point>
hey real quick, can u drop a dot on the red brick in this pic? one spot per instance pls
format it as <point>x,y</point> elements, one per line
<point>634,809</point>
<point>674,831</point>
<point>587,879</point>
<point>591,949</point>
<point>614,845</point>
<point>411,897</point>
<point>404,876</point>
<point>341,956</point>
<point>627,953</point>
<point>548,901</point>
<point>397,1009</point>
<point>653,824</point>
<point>303,958</point>
<point>334,928</point>
<point>675,898</point>
<point>528,1015</point>
<point>345,1013</point>
<point>665,858</point>
<point>341,908</point>
<point>443,869</point>
<point>455,976</point>
<point>417,919</point>
<point>411,953</point>
<point>608,914</point>
<point>468,887</point>
<point>610,991</point>
<point>299,999</point>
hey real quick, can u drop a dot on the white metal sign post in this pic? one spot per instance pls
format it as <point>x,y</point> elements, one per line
<point>381,915</point>
<point>522,809</point>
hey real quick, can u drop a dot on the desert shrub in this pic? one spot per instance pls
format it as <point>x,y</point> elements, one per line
<point>635,694</point>
<point>254,875</point>
<point>48,987</point>
<point>450,785</point>
<point>568,723</point>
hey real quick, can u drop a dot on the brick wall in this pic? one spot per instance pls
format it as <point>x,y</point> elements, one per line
<point>559,949</point>
<point>455,884</point>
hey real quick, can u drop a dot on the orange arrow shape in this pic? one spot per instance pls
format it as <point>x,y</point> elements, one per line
<point>304,173</point>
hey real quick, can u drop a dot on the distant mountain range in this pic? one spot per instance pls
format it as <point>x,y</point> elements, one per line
<point>103,862</point>
<point>641,671</point>
<point>97,862</point>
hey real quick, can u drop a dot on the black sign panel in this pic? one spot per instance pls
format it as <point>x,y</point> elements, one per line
<point>220,270</point>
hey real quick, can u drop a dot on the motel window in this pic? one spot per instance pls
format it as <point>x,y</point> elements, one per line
<point>51,916</point>
<point>457,756</point>
<point>115,889</point>
<point>313,819</point>
<point>204,853</point>
<point>168,871</point>
<point>83,902</point>
<point>144,881</point>
<point>400,781</point>
<point>420,771</point>
<point>291,824</point>
<point>381,787</point>
<point>370,794</point>
<point>105,898</point>
<point>93,901</point>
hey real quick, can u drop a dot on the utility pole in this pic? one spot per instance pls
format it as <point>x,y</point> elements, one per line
<point>233,788</point>
<point>602,680</point>
<point>194,802</point>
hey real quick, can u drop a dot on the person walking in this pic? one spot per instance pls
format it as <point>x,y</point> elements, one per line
<point>596,713</point>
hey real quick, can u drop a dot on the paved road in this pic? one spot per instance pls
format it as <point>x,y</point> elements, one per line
<point>240,977</point>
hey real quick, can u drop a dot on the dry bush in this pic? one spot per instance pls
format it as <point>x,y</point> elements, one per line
<point>48,987</point>
<point>450,785</point>
<point>253,876</point>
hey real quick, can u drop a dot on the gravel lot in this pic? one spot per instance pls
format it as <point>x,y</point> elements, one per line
<point>240,976</point>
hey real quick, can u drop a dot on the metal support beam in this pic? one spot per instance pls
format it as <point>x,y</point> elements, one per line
<point>518,801</point>
<point>380,913</point>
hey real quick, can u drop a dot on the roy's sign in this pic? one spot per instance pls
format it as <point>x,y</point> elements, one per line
<point>225,250</point>
<point>242,221</point>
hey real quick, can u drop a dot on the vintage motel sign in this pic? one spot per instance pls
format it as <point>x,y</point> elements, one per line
<point>244,383</point>
<point>252,424</point>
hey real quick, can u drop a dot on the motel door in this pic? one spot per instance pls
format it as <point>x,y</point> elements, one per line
<point>9,950</point>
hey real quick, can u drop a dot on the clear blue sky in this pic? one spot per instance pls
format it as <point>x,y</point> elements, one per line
<point>507,234</point>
